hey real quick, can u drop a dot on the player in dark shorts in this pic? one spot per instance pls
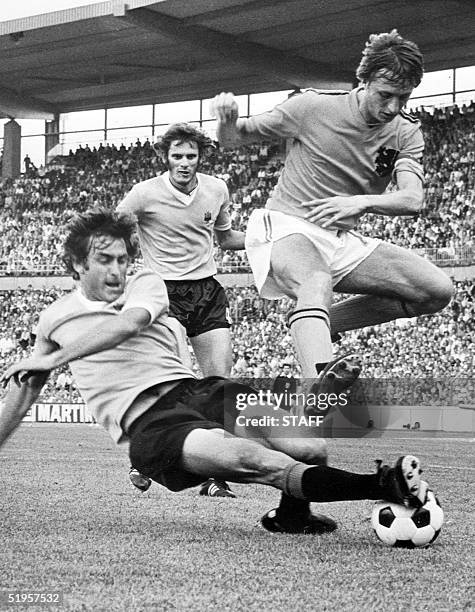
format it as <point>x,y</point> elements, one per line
<point>200,306</point>
<point>178,215</point>
<point>116,334</point>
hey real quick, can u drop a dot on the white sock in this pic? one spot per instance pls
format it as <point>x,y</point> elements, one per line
<point>310,329</point>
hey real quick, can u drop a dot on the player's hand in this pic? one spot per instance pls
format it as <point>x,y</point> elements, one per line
<point>339,212</point>
<point>225,108</point>
<point>24,369</point>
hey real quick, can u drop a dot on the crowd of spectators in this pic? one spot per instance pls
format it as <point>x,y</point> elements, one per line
<point>35,206</point>
<point>439,347</point>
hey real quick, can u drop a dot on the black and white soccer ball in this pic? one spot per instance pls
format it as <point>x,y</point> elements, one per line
<point>402,527</point>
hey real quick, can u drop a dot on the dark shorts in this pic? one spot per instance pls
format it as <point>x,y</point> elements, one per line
<point>199,305</point>
<point>157,437</point>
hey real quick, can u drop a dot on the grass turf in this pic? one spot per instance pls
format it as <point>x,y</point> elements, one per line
<point>70,521</point>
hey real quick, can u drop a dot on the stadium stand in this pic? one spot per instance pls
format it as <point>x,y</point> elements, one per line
<point>436,346</point>
<point>33,208</point>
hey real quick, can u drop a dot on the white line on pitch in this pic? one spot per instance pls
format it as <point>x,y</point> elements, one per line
<point>452,467</point>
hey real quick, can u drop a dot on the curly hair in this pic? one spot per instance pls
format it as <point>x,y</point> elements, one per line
<point>183,132</point>
<point>398,58</point>
<point>96,222</point>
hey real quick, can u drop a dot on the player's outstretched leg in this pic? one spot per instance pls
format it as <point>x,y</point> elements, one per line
<point>400,484</point>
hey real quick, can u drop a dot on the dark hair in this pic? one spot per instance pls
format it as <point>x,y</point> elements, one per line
<point>183,132</point>
<point>96,222</point>
<point>390,53</point>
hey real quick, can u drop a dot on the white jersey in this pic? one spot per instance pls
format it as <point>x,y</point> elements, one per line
<point>334,151</point>
<point>110,381</point>
<point>175,229</point>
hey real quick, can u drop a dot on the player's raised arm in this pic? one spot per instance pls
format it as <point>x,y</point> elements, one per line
<point>231,130</point>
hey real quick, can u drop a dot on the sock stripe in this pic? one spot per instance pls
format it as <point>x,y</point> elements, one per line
<point>293,480</point>
<point>308,312</point>
<point>325,319</point>
<point>316,308</point>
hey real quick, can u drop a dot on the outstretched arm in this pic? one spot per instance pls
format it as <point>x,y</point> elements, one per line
<point>104,336</point>
<point>22,395</point>
<point>17,402</point>
<point>231,130</point>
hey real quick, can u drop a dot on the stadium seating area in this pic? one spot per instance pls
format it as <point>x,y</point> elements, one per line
<point>439,346</point>
<point>33,208</point>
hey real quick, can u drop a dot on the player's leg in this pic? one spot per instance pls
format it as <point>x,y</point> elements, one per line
<point>213,451</point>
<point>303,443</point>
<point>398,284</point>
<point>213,352</point>
<point>300,272</point>
<point>208,330</point>
<point>278,430</point>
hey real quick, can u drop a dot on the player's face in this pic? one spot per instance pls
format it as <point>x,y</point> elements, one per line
<point>103,274</point>
<point>382,99</point>
<point>183,159</point>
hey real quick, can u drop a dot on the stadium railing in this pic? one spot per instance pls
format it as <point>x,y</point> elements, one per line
<point>447,256</point>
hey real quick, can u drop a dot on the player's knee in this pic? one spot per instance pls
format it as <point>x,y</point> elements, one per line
<point>439,295</point>
<point>445,292</point>
<point>313,451</point>
<point>309,286</point>
<point>315,288</point>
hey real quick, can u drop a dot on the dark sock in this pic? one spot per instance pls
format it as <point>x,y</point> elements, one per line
<point>292,508</point>
<point>327,484</point>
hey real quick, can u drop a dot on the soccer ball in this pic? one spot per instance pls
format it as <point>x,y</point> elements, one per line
<point>403,527</point>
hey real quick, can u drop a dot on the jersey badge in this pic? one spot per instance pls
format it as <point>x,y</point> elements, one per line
<point>385,161</point>
<point>207,217</point>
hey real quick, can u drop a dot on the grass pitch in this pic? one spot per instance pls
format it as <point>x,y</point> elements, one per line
<point>71,522</point>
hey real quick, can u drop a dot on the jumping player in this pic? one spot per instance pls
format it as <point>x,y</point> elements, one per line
<point>115,333</point>
<point>178,213</point>
<point>347,146</point>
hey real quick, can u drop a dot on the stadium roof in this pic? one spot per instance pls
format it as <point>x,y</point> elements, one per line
<point>120,53</point>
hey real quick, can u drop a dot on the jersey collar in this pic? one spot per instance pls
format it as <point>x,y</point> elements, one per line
<point>184,198</point>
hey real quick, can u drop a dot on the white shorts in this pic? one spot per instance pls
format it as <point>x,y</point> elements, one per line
<point>342,251</point>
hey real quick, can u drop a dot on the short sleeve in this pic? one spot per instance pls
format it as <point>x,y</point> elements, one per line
<point>223,220</point>
<point>132,203</point>
<point>412,149</point>
<point>285,120</point>
<point>148,291</point>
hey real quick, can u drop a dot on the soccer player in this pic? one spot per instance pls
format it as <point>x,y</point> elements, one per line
<point>115,333</point>
<point>178,213</point>
<point>346,148</point>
